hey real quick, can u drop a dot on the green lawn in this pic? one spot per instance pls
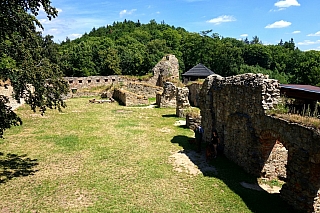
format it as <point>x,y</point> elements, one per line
<point>111,158</point>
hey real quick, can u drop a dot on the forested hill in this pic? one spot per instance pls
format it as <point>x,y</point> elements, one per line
<point>132,48</point>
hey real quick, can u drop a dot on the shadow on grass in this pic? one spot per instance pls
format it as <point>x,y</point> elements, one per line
<point>169,116</point>
<point>12,165</point>
<point>232,175</point>
<point>183,126</point>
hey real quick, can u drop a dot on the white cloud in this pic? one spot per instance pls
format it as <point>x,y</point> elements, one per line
<point>279,24</point>
<point>52,31</point>
<point>279,9</point>
<point>74,36</point>
<point>221,19</point>
<point>287,3</point>
<point>127,12</point>
<point>308,42</point>
<point>314,34</point>
<point>244,35</point>
<point>296,32</point>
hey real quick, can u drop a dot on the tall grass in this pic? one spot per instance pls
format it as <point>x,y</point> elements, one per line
<point>306,116</point>
<point>109,158</point>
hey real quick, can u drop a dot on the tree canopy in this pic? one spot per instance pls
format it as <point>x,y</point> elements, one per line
<point>133,48</point>
<point>28,60</point>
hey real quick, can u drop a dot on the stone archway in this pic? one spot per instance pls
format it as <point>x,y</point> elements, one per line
<point>274,155</point>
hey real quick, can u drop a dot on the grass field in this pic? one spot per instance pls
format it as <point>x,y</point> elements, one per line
<point>111,158</point>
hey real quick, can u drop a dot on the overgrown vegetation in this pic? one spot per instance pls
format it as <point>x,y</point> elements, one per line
<point>110,158</point>
<point>193,112</point>
<point>306,116</point>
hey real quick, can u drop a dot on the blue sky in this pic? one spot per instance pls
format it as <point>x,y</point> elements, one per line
<point>270,20</point>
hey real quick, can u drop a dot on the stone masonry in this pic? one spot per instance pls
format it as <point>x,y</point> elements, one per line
<point>165,70</point>
<point>128,98</point>
<point>194,90</point>
<point>263,145</point>
<point>143,89</point>
<point>182,101</point>
<point>168,97</point>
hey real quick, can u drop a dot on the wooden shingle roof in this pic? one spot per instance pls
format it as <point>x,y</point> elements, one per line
<point>198,71</point>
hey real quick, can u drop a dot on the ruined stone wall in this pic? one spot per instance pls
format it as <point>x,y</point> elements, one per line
<point>168,97</point>
<point>92,81</point>
<point>128,98</point>
<point>165,70</point>
<point>7,90</point>
<point>182,101</point>
<point>263,145</point>
<point>143,89</point>
<point>194,90</point>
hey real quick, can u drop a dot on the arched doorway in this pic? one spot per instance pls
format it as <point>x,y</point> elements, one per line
<point>275,156</point>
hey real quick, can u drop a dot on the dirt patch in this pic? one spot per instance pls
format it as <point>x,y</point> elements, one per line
<point>180,123</point>
<point>194,163</point>
<point>164,130</point>
<point>191,162</point>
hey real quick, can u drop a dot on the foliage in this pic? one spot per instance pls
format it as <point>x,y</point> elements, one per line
<point>306,117</point>
<point>281,77</point>
<point>193,112</point>
<point>133,48</point>
<point>28,60</point>
<point>280,108</point>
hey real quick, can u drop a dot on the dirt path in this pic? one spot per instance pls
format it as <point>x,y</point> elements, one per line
<point>191,162</point>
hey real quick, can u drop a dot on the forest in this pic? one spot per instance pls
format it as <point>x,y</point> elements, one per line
<point>133,48</point>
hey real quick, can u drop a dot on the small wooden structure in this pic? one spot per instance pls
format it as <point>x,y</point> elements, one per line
<point>305,92</point>
<point>197,72</point>
<point>306,96</point>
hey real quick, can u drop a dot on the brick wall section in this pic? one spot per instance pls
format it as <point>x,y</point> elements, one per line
<point>263,145</point>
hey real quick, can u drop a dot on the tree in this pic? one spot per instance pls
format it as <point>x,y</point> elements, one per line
<point>24,60</point>
<point>257,54</point>
<point>255,40</point>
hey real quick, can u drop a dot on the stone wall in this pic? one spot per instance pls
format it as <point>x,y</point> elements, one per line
<point>144,89</point>
<point>182,101</point>
<point>194,90</point>
<point>92,81</point>
<point>78,86</point>
<point>263,145</point>
<point>168,97</point>
<point>7,90</point>
<point>128,98</point>
<point>165,70</point>
<point>191,122</point>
